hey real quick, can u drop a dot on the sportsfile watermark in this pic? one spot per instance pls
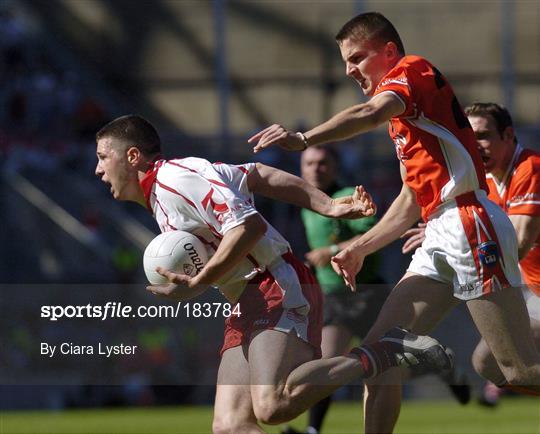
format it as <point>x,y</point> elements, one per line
<point>124,335</point>
<point>118,310</point>
<point>109,334</point>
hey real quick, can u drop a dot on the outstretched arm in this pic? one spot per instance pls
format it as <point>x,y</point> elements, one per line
<point>401,215</point>
<point>285,187</point>
<point>346,124</point>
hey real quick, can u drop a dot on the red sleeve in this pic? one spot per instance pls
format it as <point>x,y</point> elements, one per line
<point>524,190</point>
<point>398,81</point>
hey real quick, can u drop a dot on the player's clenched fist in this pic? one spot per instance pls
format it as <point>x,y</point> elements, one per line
<point>278,135</point>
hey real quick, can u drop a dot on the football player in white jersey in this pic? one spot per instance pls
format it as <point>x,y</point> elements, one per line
<point>269,370</point>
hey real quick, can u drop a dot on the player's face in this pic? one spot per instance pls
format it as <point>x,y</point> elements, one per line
<point>114,169</point>
<point>365,61</point>
<point>494,149</point>
<point>318,168</point>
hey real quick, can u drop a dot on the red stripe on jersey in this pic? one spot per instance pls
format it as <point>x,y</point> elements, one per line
<point>165,214</point>
<point>240,168</point>
<point>148,181</point>
<point>182,166</point>
<point>172,190</point>
<point>219,207</point>
<point>221,184</point>
<point>207,198</point>
<point>473,215</point>
<point>208,243</point>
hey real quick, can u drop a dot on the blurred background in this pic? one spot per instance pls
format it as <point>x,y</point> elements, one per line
<point>208,74</point>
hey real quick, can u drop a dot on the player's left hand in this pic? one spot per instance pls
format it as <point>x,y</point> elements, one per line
<point>173,290</point>
<point>360,204</point>
<point>414,238</point>
<point>347,264</point>
<point>277,135</point>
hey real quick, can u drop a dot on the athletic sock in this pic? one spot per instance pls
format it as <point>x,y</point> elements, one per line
<point>376,358</point>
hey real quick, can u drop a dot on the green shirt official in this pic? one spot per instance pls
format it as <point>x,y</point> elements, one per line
<point>323,232</point>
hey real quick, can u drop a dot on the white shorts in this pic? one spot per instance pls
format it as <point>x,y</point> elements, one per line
<point>533,303</point>
<point>471,244</point>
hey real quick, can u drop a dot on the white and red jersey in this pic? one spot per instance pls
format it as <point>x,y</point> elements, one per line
<point>433,137</point>
<point>207,200</point>
<point>518,193</point>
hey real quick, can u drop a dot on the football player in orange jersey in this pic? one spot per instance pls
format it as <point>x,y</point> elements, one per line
<point>470,251</point>
<point>513,176</point>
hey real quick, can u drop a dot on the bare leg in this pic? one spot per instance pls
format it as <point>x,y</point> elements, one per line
<point>485,364</point>
<point>503,321</point>
<point>417,303</point>
<point>286,382</point>
<point>233,410</point>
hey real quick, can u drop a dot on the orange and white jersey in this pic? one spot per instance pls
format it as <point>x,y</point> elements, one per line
<point>433,137</point>
<point>518,193</point>
<point>208,200</point>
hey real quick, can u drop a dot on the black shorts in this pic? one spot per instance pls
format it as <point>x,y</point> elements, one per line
<point>355,310</point>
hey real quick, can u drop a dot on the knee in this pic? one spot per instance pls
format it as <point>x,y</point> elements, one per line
<point>267,409</point>
<point>219,426</point>
<point>231,425</point>
<point>267,412</point>
<point>485,365</point>
<point>481,358</point>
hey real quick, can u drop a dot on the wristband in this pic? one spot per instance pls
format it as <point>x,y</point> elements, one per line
<point>334,249</point>
<point>304,140</point>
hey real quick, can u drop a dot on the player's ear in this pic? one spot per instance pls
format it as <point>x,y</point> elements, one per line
<point>391,50</point>
<point>133,155</point>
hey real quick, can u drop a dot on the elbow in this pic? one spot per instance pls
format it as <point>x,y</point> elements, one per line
<point>257,226</point>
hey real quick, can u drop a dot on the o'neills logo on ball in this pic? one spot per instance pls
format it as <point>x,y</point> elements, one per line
<point>195,258</point>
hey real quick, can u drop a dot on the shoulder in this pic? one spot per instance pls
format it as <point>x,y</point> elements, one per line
<point>413,61</point>
<point>410,64</point>
<point>528,163</point>
<point>407,75</point>
<point>187,165</point>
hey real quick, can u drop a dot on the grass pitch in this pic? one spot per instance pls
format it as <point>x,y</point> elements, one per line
<point>519,415</point>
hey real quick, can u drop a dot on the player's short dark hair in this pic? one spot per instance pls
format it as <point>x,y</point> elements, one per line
<point>371,26</point>
<point>135,131</point>
<point>500,114</point>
